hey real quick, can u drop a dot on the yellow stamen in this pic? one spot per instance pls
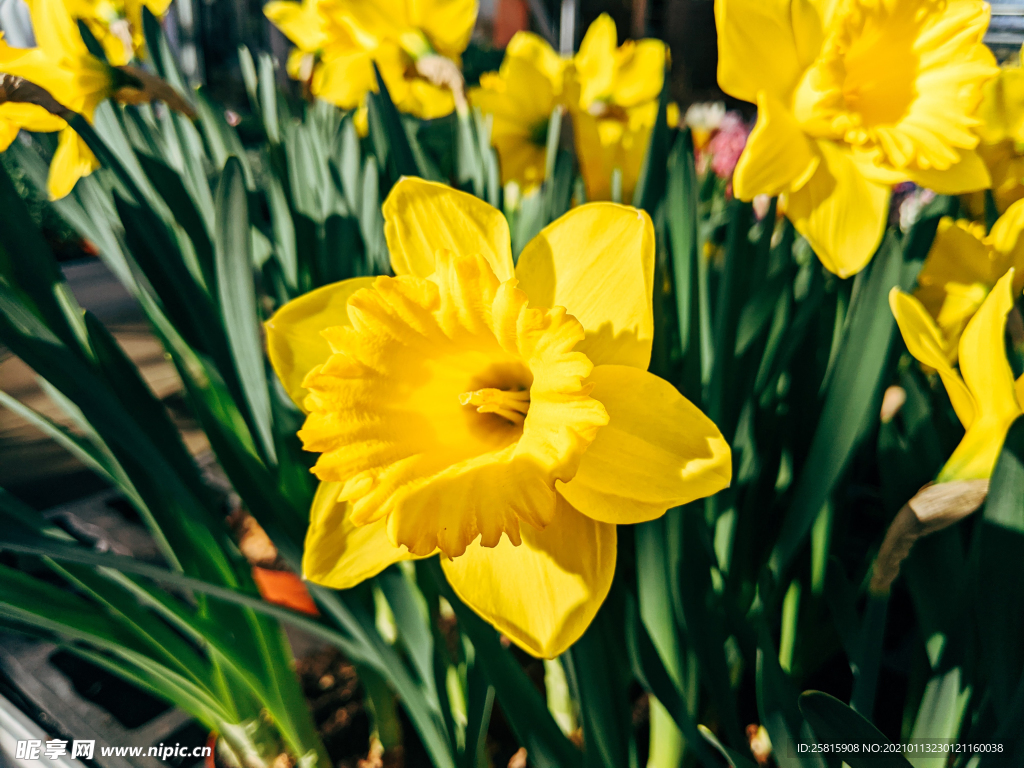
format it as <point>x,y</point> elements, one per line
<point>510,405</point>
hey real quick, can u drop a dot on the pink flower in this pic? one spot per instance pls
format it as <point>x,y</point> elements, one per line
<point>727,144</point>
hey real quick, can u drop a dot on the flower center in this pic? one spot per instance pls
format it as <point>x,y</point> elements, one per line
<point>881,68</point>
<point>511,405</point>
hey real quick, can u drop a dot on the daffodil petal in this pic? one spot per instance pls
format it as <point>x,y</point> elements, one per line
<point>339,554</point>
<point>544,593</point>
<point>968,175</point>
<point>777,153</point>
<point>1005,236</point>
<point>30,117</point>
<point>344,78</point>
<point>537,50</point>
<point>987,373</point>
<point>448,23</point>
<point>55,30</point>
<point>8,133</point>
<point>924,341</point>
<point>841,213</point>
<point>657,452</point>
<point>810,19</point>
<point>640,78</point>
<point>597,261</point>
<point>423,217</point>
<point>1001,111</point>
<point>72,160</point>
<point>595,61</point>
<point>983,363</point>
<point>299,22</point>
<point>294,343</point>
<point>756,48</point>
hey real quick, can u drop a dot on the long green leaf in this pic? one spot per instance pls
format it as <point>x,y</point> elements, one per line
<point>999,585</point>
<point>851,401</point>
<point>835,723</point>
<point>389,135</point>
<point>237,294</point>
<point>650,188</point>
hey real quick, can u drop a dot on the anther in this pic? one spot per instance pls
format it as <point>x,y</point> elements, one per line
<point>510,405</point>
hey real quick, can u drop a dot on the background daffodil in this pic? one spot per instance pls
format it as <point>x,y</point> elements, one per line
<point>416,46</point>
<point>1002,138</point>
<point>852,97</point>
<point>62,65</point>
<point>613,96</point>
<point>117,24</point>
<point>984,394</point>
<point>502,416</point>
<point>327,57</point>
<point>962,267</point>
<point>520,97</point>
<point>73,81</point>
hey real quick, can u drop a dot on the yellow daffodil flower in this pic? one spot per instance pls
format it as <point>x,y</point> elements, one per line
<point>117,24</point>
<point>1002,139</point>
<point>326,56</point>
<point>520,98</point>
<point>962,267</point>
<point>613,97</point>
<point>63,66</point>
<point>416,46</point>
<point>852,97</point>
<point>71,79</point>
<point>499,415</point>
<point>983,394</point>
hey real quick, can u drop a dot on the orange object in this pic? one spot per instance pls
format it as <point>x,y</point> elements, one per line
<point>511,16</point>
<point>284,588</point>
<point>211,742</point>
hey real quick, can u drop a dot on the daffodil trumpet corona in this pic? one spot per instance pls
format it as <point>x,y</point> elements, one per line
<point>499,416</point>
<point>853,96</point>
<point>983,393</point>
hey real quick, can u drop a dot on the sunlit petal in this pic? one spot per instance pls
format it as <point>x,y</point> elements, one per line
<point>544,593</point>
<point>657,452</point>
<point>597,261</point>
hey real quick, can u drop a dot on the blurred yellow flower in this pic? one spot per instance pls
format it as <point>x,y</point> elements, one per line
<point>454,413</point>
<point>62,65</point>
<point>962,267</point>
<point>1002,139</point>
<point>416,46</point>
<point>613,97</point>
<point>117,24</point>
<point>983,394</point>
<point>853,97</point>
<point>520,98</point>
<point>326,57</point>
<point>73,80</point>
